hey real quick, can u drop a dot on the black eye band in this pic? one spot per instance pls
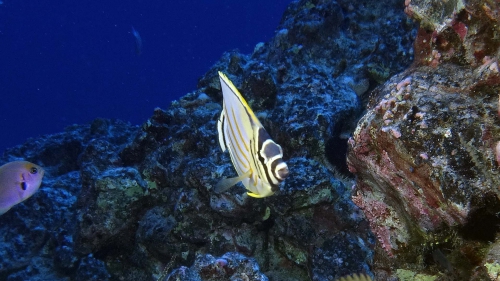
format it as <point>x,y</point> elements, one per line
<point>33,170</point>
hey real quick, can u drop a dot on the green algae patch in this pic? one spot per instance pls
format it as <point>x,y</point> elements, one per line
<point>408,275</point>
<point>152,185</point>
<point>378,72</point>
<point>493,270</point>
<point>134,190</point>
<point>292,252</point>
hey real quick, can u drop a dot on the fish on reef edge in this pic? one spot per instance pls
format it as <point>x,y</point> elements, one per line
<point>18,181</point>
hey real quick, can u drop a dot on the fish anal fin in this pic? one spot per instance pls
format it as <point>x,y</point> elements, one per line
<point>227,183</point>
<point>254,195</point>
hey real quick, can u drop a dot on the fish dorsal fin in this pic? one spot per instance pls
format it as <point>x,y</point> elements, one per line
<point>228,89</point>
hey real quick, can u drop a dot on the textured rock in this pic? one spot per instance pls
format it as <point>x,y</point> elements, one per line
<point>137,203</point>
<point>325,57</point>
<point>231,267</point>
<point>425,152</point>
<point>91,268</point>
<point>28,227</point>
<point>428,149</point>
<point>460,32</point>
<point>39,269</point>
<point>37,236</point>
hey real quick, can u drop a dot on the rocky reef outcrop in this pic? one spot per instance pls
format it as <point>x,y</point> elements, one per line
<point>425,154</point>
<point>122,202</point>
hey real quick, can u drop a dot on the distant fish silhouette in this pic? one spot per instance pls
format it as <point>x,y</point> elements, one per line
<point>138,41</point>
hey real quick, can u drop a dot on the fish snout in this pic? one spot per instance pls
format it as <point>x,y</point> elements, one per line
<point>283,172</point>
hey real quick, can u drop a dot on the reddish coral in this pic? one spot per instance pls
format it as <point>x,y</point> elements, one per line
<point>497,153</point>
<point>408,8</point>
<point>422,46</point>
<point>460,28</point>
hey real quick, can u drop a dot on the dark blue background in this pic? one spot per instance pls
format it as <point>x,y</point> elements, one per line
<point>67,62</point>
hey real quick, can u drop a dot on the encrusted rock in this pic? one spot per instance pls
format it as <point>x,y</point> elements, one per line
<point>425,154</point>
<point>427,175</point>
<point>137,202</point>
<point>231,266</point>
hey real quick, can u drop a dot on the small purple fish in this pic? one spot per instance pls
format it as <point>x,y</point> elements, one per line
<point>18,181</point>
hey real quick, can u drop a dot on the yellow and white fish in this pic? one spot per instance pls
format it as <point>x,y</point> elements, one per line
<point>18,181</point>
<point>258,160</point>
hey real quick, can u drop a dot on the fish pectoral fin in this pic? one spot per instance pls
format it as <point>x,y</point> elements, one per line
<point>226,183</point>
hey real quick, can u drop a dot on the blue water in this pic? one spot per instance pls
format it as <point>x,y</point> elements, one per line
<point>68,62</point>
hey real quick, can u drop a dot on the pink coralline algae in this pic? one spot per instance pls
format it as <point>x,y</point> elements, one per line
<point>460,28</point>
<point>497,153</point>
<point>454,31</point>
<point>413,180</point>
<point>377,212</point>
<point>426,155</point>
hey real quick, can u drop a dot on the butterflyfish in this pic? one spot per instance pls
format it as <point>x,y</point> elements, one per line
<point>18,181</point>
<point>138,41</point>
<point>258,160</point>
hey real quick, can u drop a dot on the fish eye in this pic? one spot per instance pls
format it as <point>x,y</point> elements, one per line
<point>33,170</point>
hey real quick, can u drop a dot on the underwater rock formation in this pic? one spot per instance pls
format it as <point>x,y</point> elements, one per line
<point>122,202</point>
<point>287,233</point>
<point>231,266</point>
<point>37,241</point>
<point>425,154</point>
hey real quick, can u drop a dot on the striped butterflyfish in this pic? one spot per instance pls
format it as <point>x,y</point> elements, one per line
<point>258,160</point>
